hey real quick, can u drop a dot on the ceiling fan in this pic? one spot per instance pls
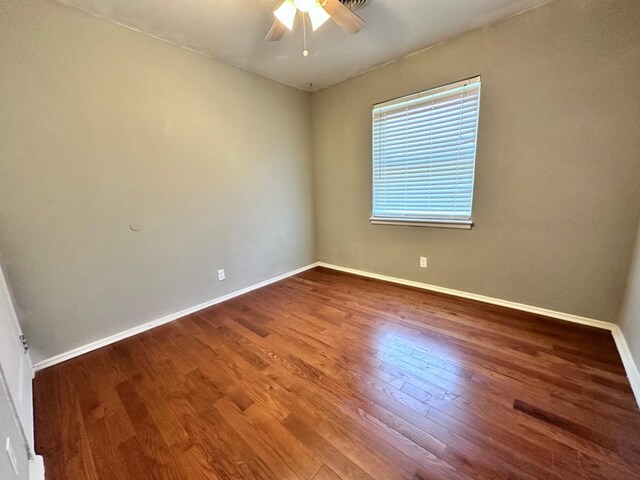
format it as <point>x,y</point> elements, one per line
<point>319,12</point>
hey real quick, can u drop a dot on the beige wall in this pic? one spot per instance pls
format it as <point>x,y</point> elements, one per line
<point>557,199</point>
<point>101,127</point>
<point>630,316</point>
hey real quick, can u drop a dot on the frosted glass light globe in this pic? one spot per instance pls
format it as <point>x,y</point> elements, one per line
<point>305,5</point>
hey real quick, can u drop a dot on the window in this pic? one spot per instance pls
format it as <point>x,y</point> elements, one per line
<point>424,155</point>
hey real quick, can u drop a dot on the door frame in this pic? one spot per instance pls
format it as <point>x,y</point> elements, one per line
<point>15,336</point>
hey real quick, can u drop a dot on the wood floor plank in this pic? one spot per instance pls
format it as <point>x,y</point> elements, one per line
<point>197,464</point>
<point>325,473</point>
<point>330,376</point>
<point>565,424</point>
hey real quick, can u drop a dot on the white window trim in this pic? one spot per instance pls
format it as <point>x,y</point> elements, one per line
<point>457,224</point>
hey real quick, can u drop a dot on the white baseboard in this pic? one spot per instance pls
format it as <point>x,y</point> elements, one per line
<point>474,296</point>
<point>36,468</point>
<point>631,367</point>
<point>161,321</point>
<point>633,374</point>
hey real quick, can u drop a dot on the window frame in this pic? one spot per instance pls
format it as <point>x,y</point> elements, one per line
<point>427,221</point>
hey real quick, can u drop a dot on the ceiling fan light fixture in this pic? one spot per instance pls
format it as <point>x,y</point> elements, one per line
<point>286,13</point>
<point>305,5</point>
<point>318,16</point>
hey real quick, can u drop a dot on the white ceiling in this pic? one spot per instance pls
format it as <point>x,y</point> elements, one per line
<point>233,32</point>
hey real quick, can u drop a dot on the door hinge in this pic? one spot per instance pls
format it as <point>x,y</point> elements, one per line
<point>25,345</point>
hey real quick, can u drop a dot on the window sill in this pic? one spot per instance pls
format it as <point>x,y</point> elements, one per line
<point>457,224</point>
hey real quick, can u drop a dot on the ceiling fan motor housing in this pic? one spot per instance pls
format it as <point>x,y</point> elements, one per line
<point>354,4</point>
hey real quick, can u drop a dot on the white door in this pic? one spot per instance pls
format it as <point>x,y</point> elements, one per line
<point>15,362</point>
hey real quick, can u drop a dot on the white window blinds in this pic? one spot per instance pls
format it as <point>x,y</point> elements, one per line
<point>424,151</point>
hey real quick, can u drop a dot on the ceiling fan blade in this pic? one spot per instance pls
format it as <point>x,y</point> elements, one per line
<point>277,31</point>
<point>344,17</point>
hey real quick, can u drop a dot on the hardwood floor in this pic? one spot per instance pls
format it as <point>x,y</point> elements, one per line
<point>329,376</point>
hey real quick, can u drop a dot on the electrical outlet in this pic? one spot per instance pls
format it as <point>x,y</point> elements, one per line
<point>12,456</point>
<point>221,274</point>
<point>423,262</point>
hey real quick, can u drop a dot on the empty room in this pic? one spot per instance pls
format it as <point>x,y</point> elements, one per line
<point>319,239</point>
